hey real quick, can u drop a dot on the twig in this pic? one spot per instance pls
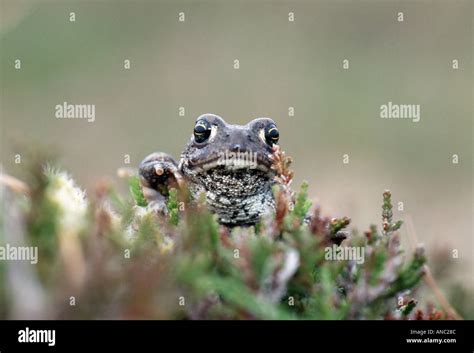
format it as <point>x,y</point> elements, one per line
<point>428,277</point>
<point>14,184</point>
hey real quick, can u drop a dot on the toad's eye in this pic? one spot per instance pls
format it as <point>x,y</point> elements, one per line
<point>202,131</point>
<point>271,134</point>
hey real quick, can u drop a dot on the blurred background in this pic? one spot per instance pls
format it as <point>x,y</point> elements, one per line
<point>283,64</point>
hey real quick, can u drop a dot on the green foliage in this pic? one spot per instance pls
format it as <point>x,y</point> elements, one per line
<point>408,308</point>
<point>136,191</point>
<point>173,207</point>
<point>184,265</point>
<point>42,222</point>
<point>387,214</point>
<point>302,203</point>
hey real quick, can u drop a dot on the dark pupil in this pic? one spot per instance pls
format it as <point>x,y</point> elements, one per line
<point>202,131</point>
<point>272,135</point>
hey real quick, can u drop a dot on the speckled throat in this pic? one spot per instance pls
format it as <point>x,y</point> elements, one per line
<point>239,197</point>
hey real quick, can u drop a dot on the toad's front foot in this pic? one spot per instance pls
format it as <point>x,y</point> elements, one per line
<point>158,174</point>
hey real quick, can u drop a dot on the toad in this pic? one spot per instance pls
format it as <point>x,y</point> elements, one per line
<point>230,164</point>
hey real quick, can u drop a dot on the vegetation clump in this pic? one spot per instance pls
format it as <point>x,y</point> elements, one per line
<point>109,256</point>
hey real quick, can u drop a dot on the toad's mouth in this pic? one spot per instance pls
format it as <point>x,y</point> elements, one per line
<point>233,161</point>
